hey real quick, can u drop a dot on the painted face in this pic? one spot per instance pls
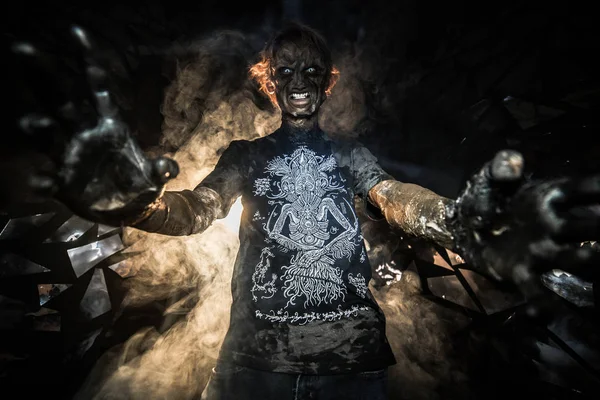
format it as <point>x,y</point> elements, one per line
<point>299,80</point>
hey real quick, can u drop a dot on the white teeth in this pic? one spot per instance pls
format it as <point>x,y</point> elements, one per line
<point>299,95</point>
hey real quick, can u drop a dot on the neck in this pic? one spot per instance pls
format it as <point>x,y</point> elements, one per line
<point>299,126</point>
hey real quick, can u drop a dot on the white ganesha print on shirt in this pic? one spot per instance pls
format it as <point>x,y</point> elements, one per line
<point>304,219</point>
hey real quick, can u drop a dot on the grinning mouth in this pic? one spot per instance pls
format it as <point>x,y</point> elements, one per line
<point>298,96</point>
<point>299,99</point>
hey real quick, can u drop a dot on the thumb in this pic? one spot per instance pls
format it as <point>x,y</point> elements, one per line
<point>506,166</point>
<point>164,169</point>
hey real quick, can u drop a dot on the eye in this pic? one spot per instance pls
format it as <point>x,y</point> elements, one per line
<point>285,71</point>
<point>311,70</point>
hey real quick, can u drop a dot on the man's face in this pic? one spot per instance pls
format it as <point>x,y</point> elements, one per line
<point>299,79</point>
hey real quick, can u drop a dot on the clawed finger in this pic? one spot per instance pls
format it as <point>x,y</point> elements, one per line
<point>106,108</point>
<point>82,37</point>
<point>507,166</point>
<point>164,169</point>
<point>96,74</point>
<point>33,123</point>
<point>576,230</point>
<point>581,192</point>
<point>43,185</point>
<point>581,261</point>
<point>44,88</point>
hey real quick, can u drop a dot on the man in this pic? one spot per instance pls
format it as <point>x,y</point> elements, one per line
<point>303,321</point>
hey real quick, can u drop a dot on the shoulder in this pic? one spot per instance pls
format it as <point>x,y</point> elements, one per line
<point>242,147</point>
<point>242,152</point>
<point>234,149</point>
<point>353,151</point>
<point>346,144</point>
<point>342,148</point>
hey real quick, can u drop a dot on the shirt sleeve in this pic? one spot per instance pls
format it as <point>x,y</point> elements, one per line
<point>367,173</point>
<point>366,170</point>
<point>229,176</point>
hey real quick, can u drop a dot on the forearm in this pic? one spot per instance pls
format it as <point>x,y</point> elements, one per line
<point>181,213</point>
<point>415,210</point>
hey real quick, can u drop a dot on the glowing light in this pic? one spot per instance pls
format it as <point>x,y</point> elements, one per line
<point>232,220</point>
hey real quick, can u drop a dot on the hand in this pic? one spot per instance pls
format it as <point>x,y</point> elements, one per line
<point>513,231</point>
<point>100,172</point>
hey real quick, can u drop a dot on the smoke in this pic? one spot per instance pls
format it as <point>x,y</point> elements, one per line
<point>422,336</point>
<point>343,112</point>
<point>209,103</point>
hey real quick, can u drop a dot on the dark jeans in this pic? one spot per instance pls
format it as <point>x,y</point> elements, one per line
<point>230,382</point>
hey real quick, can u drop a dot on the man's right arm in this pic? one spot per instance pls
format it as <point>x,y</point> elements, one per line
<point>98,169</point>
<point>181,213</point>
<point>188,212</point>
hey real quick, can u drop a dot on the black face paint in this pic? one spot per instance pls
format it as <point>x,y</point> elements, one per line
<point>300,80</point>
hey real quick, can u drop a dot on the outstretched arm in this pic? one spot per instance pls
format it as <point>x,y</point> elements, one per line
<point>505,227</point>
<point>180,213</point>
<point>188,212</point>
<point>411,208</point>
<point>415,210</point>
<point>100,172</point>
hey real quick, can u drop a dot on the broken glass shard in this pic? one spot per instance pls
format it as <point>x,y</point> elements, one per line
<point>123,268</point>
<point>96,300</point>
<point>570,287</point>
<point>83,258</point>
<point>71,230</point>
<point>561,369</point>
<point>529,114</point>
<point>48,321</point>
<point>578,333</point>
<point>48,291</point>
<point>87,343</point>
<point>104,229</point>
<point>439,260</point>
<point>450,288</point>
<point>492,298</point>
<point>11,312</point>
<point>13,264</point>
<point>18,227</point>
<point>455,259</point>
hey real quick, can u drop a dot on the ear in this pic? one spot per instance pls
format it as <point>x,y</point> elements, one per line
<point>335,75</point>
<point>270,87</point>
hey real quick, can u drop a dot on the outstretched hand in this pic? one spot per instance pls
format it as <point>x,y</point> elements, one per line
<point>513,231</point>
<point>100,171</point>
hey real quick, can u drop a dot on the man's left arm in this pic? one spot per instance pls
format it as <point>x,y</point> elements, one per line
<point>505,226</point>
<point>415,210</point>
<point>411,208</point>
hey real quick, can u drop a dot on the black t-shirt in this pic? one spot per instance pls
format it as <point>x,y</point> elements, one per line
<point>301,302</point>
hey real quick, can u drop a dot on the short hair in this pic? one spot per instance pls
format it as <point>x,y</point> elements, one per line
<point>262,72</point>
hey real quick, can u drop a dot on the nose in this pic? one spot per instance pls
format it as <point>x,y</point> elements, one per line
<point>298,81</point>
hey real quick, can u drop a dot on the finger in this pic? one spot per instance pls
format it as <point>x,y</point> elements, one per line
<point>82,38</point>
<point>494,185</point>
<point>37,74</point>
<point>34,123</point>
<point>581,192</point>
<point>44,86</point>
<point>96,74</point>
<point>104,104</point>
<point>578,230</point>
<point>526,278</point>
<point>507,166</point>
<point>41,133</point>
<point>581,261</point>
<point>164,169</point>
<point>541,310</point>
<point>43,185</point>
